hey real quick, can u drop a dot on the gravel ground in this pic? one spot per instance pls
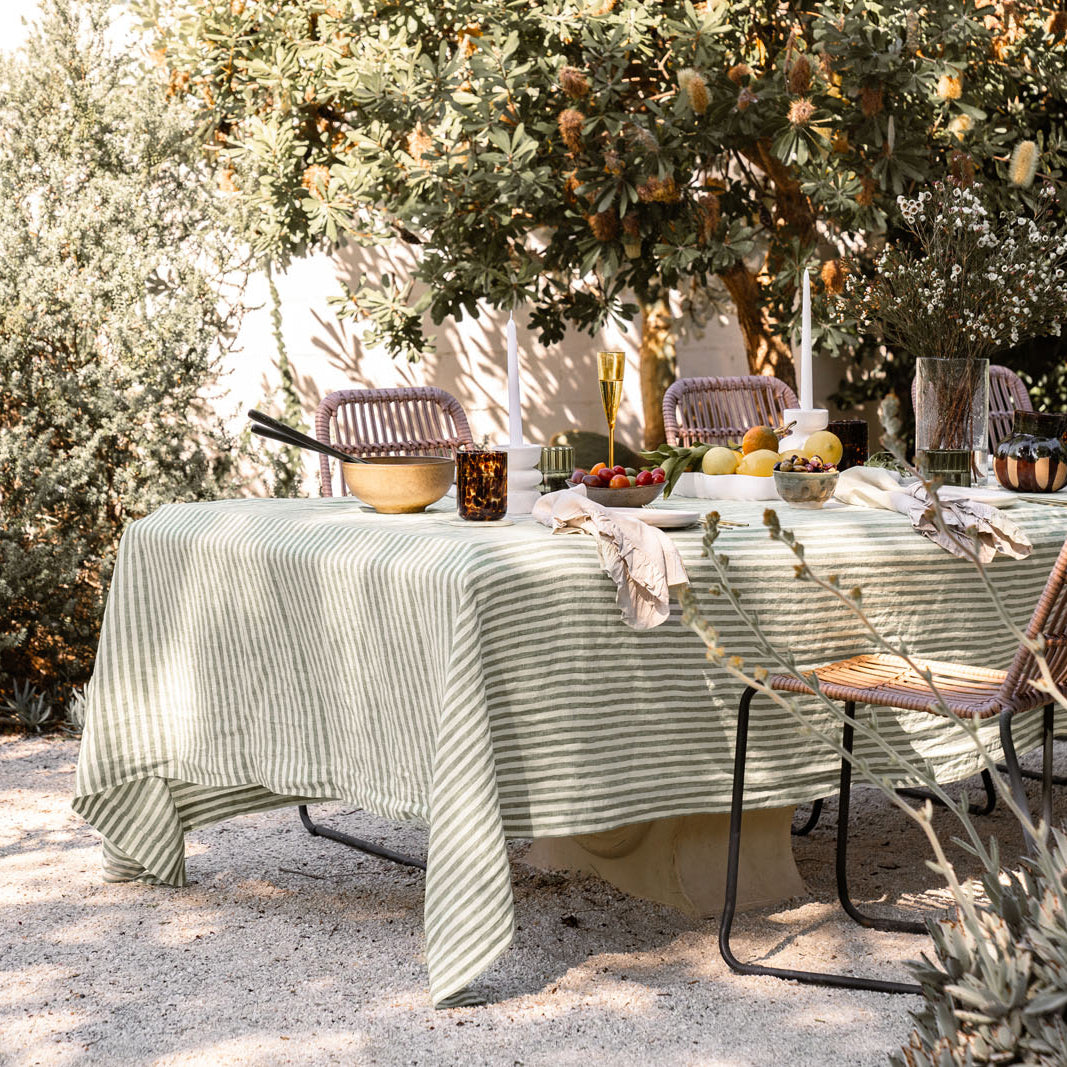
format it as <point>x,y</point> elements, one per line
<point>288,949</point>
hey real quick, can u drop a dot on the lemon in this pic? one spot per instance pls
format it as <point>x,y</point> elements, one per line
<point>759,464</point>
<point>720,460</point>
<point>827,446</point>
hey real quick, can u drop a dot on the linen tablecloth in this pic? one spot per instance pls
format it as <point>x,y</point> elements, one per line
<point>255,653</point>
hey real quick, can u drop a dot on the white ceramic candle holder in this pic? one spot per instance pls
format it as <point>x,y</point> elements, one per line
<point>807,423</point>
<point>523,477</point>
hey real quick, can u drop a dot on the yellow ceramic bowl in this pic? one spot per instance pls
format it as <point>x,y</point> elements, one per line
<point>399,484</point>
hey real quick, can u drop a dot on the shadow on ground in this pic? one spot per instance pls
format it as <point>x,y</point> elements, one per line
<point>291,949</point>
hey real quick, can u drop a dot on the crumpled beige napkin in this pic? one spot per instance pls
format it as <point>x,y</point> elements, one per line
<point>874,487</point>
<point>640,559</point>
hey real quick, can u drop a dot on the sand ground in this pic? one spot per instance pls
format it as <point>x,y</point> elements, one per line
<point>287,949</point>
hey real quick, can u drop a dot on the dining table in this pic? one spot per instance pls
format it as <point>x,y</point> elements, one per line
<point>478,678</point>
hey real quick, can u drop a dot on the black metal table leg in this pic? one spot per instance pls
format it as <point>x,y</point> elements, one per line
<point>729,905</point>
<point>813,820</point>
<point>318,830</point>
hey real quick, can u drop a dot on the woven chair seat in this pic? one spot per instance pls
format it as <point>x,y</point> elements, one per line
<point>890,681</point>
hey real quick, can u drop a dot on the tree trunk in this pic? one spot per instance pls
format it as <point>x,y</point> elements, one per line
<point>659,365</point>
<point>767,353</point>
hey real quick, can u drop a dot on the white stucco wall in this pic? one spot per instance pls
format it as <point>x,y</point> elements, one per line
<point>559,389</point>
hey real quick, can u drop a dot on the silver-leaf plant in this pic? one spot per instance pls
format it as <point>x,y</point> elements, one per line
<point>995,989</point>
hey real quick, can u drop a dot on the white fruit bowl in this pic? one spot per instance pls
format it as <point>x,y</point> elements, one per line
<point>725,487</point>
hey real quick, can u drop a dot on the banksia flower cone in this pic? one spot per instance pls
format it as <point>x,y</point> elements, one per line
<point>959,126</point>
<point>872,100</point>
<point>1056,26</point>
<point>801,112</point>
<point>799,79</point>
<point>658,191</point>
<point>570,128</point>
<point>316,180</point>
<point>419,143</point>
<point>737,74</point>
<point>1023,165</point>
<point>573,82</point>
<point>709,212</point>
<point>641,137</point>
<point>605,225</point>
<point>961,167</point>
<point>745,99</point>
<point>950,87</point>
<point>833,276</point>
<point>695,88</point>
<point>911,36</point>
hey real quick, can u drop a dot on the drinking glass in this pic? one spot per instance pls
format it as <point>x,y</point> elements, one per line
<point>610,366</point>
<point>481,484</point>
<point>852,434</point>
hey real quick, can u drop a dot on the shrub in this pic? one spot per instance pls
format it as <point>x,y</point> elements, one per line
<point>1008,1005</point>
<point>110,321</point>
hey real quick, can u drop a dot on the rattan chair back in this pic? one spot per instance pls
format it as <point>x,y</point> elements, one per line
<point>720,410</point>
<point>1048,626</point>
<point>416,421</point>
<point>1007,394</point>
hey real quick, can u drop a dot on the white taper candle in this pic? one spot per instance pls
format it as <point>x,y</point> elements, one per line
<point>806,401</point>
<point>514,403</point>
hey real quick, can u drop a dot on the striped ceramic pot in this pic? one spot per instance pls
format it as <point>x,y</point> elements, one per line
<point>1033,459</point>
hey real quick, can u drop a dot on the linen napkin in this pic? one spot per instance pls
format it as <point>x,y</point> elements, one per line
<point>640,559</point>
<point>874,487</point>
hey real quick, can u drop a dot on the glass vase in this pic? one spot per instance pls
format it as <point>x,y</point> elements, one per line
<point>952,408</point>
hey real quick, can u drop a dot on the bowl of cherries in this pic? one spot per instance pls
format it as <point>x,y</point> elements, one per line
<point>620,487</point>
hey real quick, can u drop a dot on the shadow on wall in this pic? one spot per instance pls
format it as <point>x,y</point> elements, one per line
<point>559,389</point>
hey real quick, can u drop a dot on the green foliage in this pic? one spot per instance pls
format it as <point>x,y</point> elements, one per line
<point>29,708</point>
<point>74,720</point>
<point>110,323</point>
<point>287,464</point>
<point>1007,1005</point>
<point>565,154</point>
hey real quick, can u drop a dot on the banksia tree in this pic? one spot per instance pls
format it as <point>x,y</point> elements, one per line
<point>542,118</point>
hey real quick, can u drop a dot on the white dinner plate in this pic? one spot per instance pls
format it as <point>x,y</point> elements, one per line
<point>661,517</point>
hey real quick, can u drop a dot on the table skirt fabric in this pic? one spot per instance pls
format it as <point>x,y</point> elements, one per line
<point>259,653</point>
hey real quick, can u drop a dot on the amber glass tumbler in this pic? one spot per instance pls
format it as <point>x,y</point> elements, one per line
<point>853,436</point>
<point>481,484</point>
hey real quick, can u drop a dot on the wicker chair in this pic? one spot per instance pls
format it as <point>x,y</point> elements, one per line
<point>420,421</point>
<point>890,681</point>
<point>381,422</point>
<point>1007,394</point>
<point>720,410</point>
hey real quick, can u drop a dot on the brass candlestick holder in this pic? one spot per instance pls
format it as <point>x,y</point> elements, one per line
<point>610,366</point>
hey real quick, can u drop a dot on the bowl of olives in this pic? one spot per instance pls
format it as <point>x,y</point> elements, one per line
<point>805,482</point>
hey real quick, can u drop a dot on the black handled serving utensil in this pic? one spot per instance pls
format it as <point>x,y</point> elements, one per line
<point>265,426</point>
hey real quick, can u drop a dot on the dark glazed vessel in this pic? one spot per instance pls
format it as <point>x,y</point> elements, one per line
<point>1034,458</point>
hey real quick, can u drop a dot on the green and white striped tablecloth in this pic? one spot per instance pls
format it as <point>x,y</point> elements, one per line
<point>479,679</point>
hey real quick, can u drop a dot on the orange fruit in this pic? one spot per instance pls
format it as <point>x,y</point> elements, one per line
<point>596,468</point>
<point>759,438</point>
